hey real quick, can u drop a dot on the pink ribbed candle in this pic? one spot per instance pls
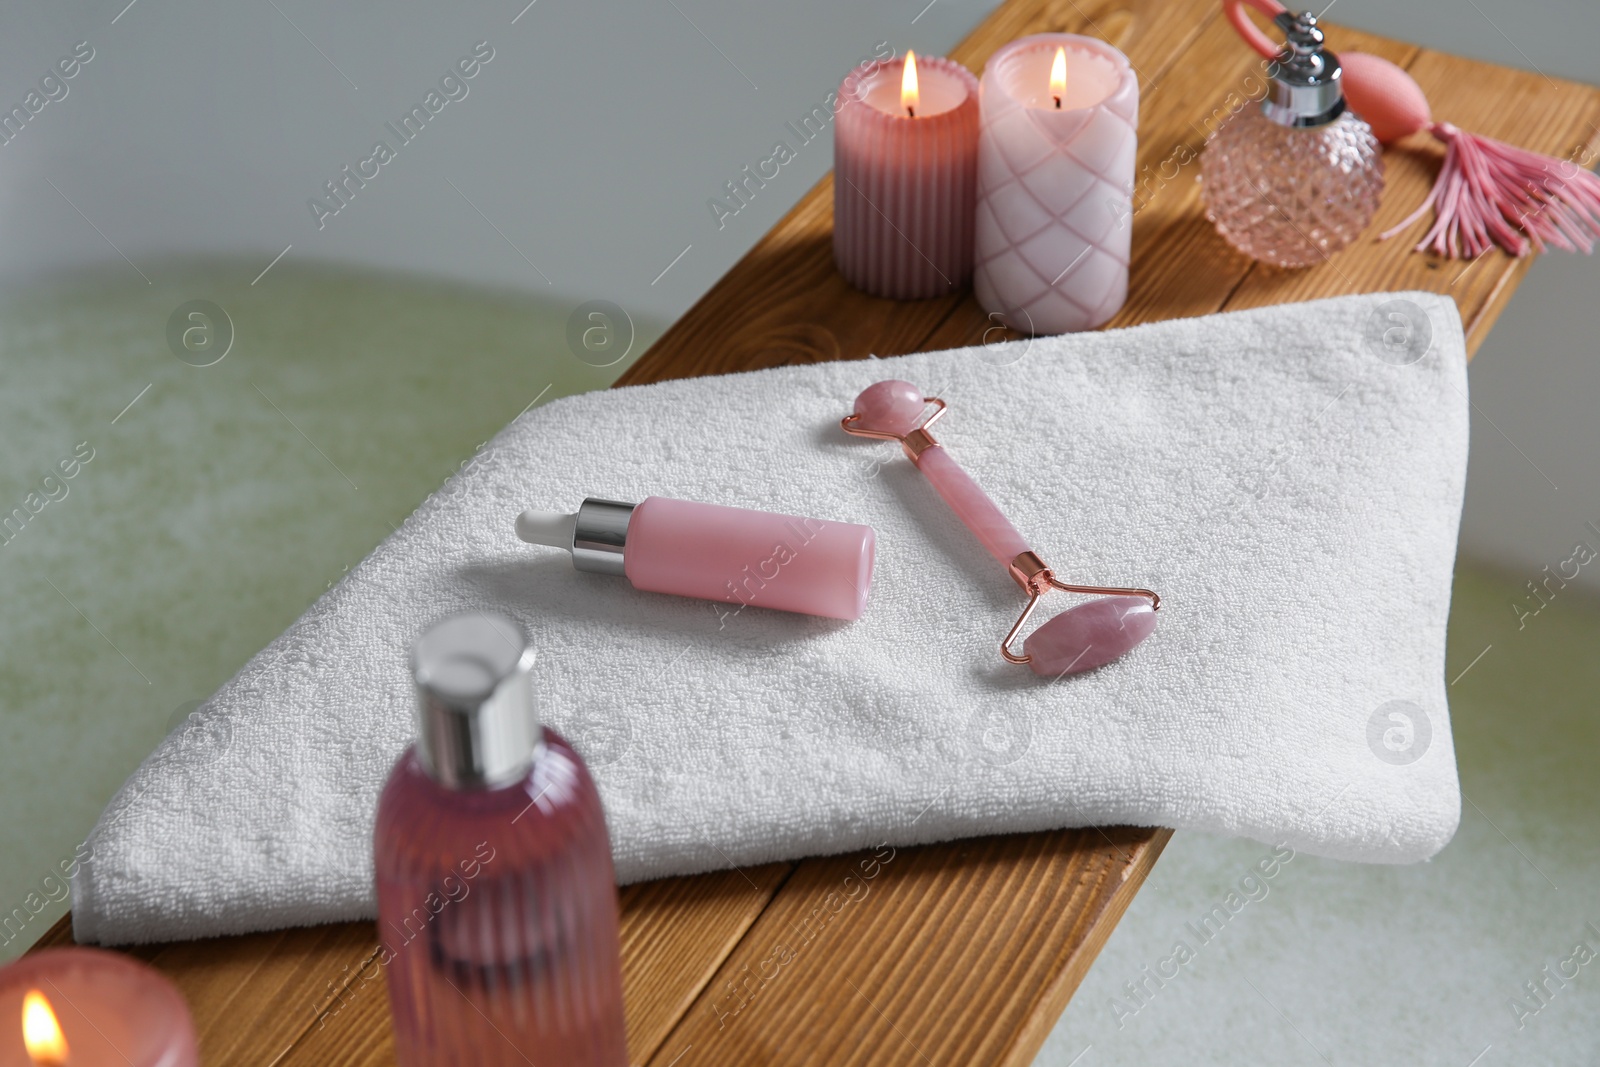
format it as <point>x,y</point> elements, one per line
<point>903,185</point>
<point>1055,184</point>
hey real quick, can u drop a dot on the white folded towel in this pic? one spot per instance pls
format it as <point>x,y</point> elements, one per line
<point>1289,480</point>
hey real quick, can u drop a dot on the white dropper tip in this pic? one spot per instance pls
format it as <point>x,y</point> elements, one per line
<point>550,528</point>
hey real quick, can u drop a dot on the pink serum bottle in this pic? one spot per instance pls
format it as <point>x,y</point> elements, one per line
<point>497,903</point>
<point>733,555</point>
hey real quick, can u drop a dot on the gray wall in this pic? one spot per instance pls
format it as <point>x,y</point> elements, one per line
<point>591,141</point>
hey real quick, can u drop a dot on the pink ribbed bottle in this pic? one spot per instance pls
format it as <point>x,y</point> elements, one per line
<point>737,556</point>
<point>904,178</point>
<point>497,906</point>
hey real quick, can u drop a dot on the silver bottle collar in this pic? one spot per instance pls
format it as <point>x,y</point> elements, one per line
<point>599,536</point>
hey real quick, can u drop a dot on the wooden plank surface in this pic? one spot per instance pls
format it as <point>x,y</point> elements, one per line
<point>958,953</point>
<point>963,953</point>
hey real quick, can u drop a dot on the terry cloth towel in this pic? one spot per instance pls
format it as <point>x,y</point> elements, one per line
<point>1289,479</point>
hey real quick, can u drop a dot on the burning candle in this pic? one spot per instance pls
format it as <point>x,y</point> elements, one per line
<point>82,1007</point>
<point>905,147</point>
<point>42,1038</point>
<point>1056,148</point>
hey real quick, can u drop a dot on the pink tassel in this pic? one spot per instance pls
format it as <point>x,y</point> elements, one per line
<point>1488,190</point>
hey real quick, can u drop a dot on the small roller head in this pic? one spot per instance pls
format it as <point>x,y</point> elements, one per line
<point>891,407</point>
<point>1089,635</point>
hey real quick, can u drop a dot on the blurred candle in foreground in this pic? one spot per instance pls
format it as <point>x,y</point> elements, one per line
<point>1056,154</point>
<point>904,170</point>
<point>83,1007</point>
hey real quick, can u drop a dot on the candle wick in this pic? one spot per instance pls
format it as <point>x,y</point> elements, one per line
<point>1057,99</point>
<point>911,112</point>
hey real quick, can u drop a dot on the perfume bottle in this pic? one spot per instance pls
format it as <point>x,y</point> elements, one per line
<point>497,905</point>
<point>1295,180</point>
<point>734,555</point>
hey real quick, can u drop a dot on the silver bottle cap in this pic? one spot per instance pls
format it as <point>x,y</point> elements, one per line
<point>596,536</point>
<point>1305,77</point>
<point>476,723</point>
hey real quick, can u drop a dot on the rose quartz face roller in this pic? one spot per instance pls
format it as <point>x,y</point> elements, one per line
<point>1079,639</point>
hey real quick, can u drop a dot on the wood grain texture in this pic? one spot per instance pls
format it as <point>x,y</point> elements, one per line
<point>961,953</point>
<point>675,934</point>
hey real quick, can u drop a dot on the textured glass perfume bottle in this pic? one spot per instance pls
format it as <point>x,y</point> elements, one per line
<point>1297,179</point>
<point>497,908</point>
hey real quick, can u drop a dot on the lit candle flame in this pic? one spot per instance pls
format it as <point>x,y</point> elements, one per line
<point>1058,77</point>
<point>41,1034</point>
<point>909,96</point>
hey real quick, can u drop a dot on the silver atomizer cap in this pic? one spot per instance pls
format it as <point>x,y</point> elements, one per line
<point>1306,89</point>
<point>477,727</point>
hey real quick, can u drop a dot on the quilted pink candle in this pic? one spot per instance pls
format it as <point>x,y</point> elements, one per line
<point>905,147</point>
<point>1056,145</point>
<point>84,1007</point>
